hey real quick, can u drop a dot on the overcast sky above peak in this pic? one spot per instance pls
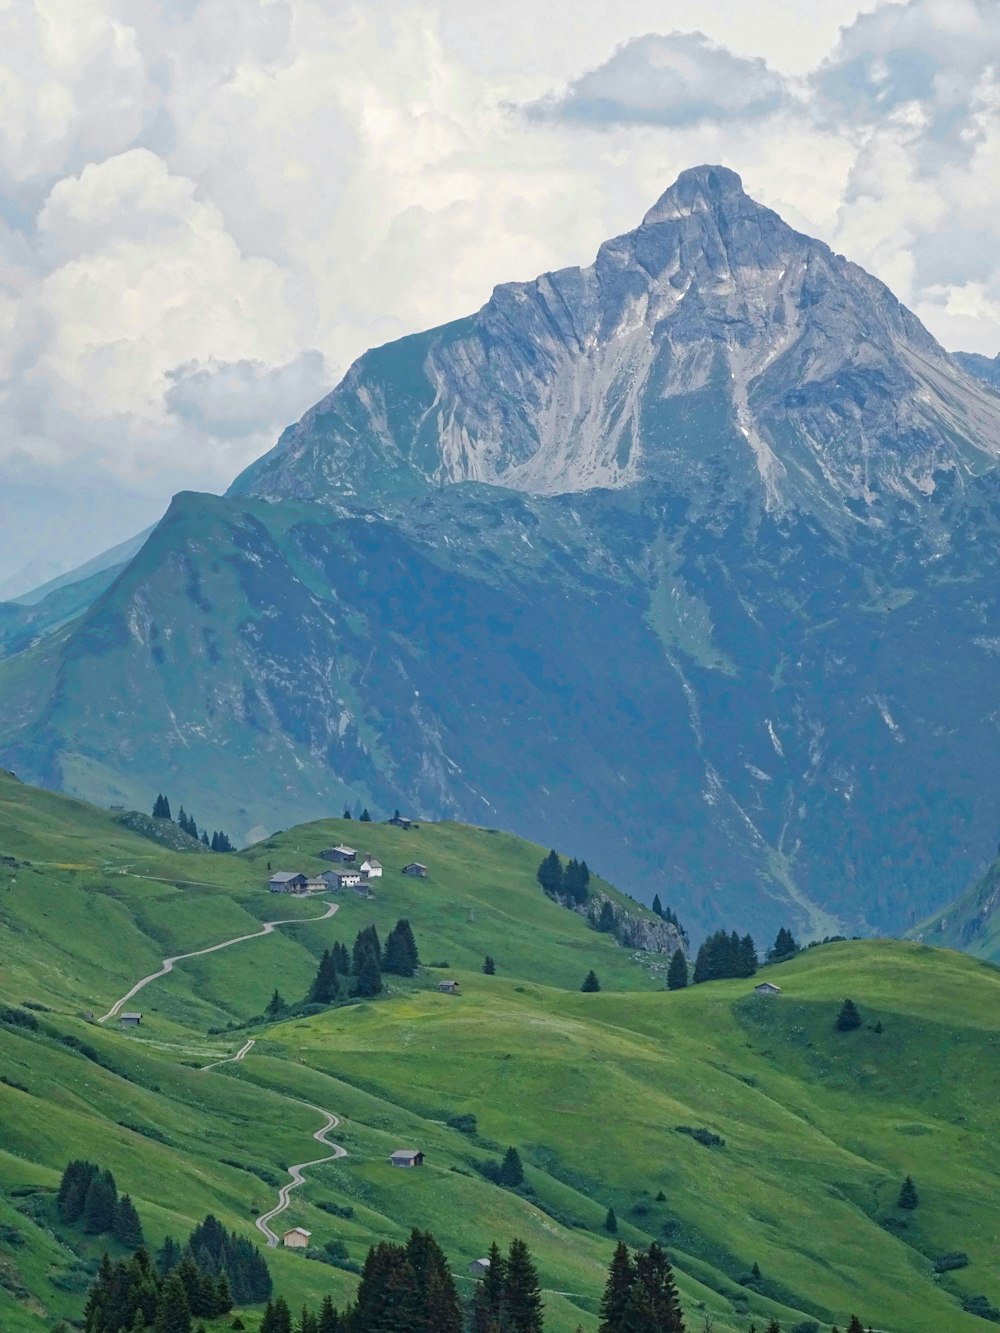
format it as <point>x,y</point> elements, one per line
<point>208,208</point>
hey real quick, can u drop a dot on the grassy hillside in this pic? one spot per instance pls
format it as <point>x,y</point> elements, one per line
<point>819,1127</point>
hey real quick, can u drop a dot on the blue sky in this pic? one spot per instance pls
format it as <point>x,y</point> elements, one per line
<point>209,208</point>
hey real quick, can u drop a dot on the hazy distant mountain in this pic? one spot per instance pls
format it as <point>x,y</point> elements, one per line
<point>985,368</point>
<point>686,562</point>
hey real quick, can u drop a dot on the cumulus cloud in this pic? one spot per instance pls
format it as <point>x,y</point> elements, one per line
<point>210,208</point>
<point>673,80</point>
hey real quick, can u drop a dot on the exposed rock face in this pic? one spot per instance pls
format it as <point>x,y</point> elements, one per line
<point>714,334</point>
<point>984,368</point>
<point>635,931</point>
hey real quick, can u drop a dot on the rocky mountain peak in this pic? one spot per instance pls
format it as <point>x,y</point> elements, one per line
<point>699,189</point>
<point>713,339</point>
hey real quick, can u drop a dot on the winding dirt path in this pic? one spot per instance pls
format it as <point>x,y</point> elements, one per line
<point>241,1054</point>
<point>297,1178</point>
<point>168,963</point>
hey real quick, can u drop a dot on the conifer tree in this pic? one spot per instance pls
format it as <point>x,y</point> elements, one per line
<point>125,1225</point>
<point>655,1278</point>
<point>591,982</point>
<point>368,974</point>
<point>855,1326</point>
<point>169,1256</point>
<point>223,1295</point>
<point>365,816</point>
<point>438,1309</point>
<point>324,988</point>
<point>550,874</point>
<point>522,1297</point>
<point>329,1319</point>
<point>73,1189</point>
<point>277,1317</point>
<point>746,958</point>
<point>276,1005</point>
<point>511,1169</point>
<point>488,1300</point>
<point>784,946</point>
<point>173,1314</point>
<point>386,1298</point>
<point>347,813</point>
<point>657,905</point>
<point>606,922</point>
<point>100,1203</point>
<point>204,838</point>
<point>367,938</point>
<point>908,1197</point>
<point>848,1019</point>
<point>677,972</point>
<point>611,1222</point>
<point>489,965</point>
<point>400,954</point>
<point>341,958</point>
<point>621,1276</point>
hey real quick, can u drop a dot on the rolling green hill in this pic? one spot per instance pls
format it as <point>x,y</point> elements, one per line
<point>818,1127</point>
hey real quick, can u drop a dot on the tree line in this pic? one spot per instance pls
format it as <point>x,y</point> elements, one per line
<point>342,976</point>
<point>219,842</point>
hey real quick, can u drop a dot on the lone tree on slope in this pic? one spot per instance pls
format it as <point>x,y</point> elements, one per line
<point>677,972</point>
<point>848,1019</point>
<point>908,1197</point>
<point>590,982</point>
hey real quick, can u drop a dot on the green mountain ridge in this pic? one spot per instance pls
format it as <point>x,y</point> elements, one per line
<point>818,1127</point>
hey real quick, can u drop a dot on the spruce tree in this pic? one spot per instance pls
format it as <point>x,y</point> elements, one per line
<point>657,905</point>
<point>365,816</point>
<point>368,974</point>
<point>386,1297</point>
<point>341,958</point>
<point>169,1256</point>
<point>204,838</point>
<point>550,874</point>
<point>611,1222</point>
<point>489,965</point>
<point>277,1317</point>
<point>173,1314</point>
<point>511,1169</point>
<point>522,1297</point>
<point>126,1226</point>
<point>438,1309</point>
<point>908,1197</point>
<point>488,1299</point>
<point>365,939</point>
<point>855,1326</point>
<point>746,964</point>
<point>100,1203</point>
<point>276,1005</point>
<point>591,982</point>
<point>621,1276</point>
<point>400,954</point>
<point>324,988</point>
<point>677,972</point>
<point>347,813</point>
<point>848,1019</point>
<point>607,921</point>
<point>329,1319</point>
<point>73,1189</point>
<point>655,1278</point>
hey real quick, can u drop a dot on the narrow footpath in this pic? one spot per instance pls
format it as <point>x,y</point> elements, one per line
<point>168,963</point>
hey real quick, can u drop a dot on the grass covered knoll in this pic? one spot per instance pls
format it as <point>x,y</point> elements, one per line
<point>814,1130</point>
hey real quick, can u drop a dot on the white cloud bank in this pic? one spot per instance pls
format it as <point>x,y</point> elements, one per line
<point>208,208</point>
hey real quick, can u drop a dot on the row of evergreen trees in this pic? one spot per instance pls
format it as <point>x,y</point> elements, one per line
<point>667,914</point>
<point>566,883</point>
<point>341,975</point>
<point>725,954</point>
<point>219,842</point>
<point>640,1295</point>
<point>88,1195</point>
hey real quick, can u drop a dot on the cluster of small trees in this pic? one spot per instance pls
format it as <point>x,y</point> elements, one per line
<point>364,817</point>
<point>725,954</point>
<point>569,883</point>
<point>784,947</point>
<point>88,1195</point>
<point>213,1251</point>
<point>219,842</point>
<point>131,1295</point>
<point>509,1172</point>
<point>855,1326</point>
<point>667,914</point>
<point>640,1295</point>
<point>341,975</point>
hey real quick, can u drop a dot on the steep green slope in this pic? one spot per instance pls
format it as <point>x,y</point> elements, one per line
<point>972,922</point>
<point>819,1127</point>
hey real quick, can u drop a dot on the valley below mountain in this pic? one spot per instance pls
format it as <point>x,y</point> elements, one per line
<point>762,1146</point>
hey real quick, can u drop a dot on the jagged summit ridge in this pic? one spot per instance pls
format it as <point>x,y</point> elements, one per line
<point>712,339</point>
